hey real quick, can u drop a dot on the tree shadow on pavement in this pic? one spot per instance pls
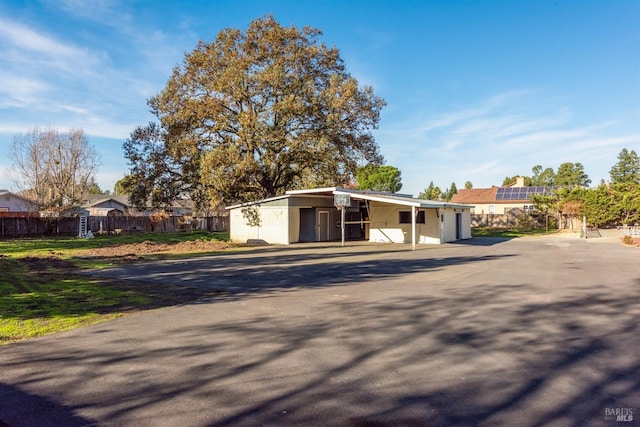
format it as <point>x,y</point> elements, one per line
<point>20,408</point>
<point>265,274</point>
<point>481,354</point>
<point>481,241</point>
<point>449,347</point>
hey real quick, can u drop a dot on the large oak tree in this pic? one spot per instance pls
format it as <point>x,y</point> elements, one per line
<point>379,178</point>
<point>256,113</point>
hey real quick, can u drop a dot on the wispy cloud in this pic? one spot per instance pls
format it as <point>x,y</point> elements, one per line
<point>26,38</point>
<point>502,135</point>
<point>117,18</point>
<point>27,51</point>
<point>20,92</point>
<point>106,12</point>
<point>49,81</point>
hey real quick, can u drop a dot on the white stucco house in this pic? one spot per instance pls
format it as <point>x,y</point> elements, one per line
<point>311,216</point>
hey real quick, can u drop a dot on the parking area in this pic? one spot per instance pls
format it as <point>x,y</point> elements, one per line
<point>534,331</point>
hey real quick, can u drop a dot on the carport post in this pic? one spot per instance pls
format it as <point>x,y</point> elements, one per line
<point>340,201</point>
<point>342,223</point>
<point>413,228</point>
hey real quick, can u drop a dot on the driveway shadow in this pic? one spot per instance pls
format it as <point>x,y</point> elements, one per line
<point>267,272</point>
<point>481,241</point>
<point>22,409</point>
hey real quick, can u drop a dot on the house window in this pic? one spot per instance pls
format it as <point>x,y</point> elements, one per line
<point>528,208</point>
<point>405,217</point>
<point>492,209</point>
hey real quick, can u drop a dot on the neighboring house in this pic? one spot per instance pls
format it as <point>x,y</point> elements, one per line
<point>104,212</point>
<point>181,207</point>
<point>310,215</point>
<point>11,202</point>
<point>111,204</point>
<point>103,204</point>
<point>500,200</point>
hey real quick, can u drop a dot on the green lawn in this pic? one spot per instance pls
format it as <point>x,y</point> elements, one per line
<point>68,246</point>
<point>508,232</point>
<point>41,290</point>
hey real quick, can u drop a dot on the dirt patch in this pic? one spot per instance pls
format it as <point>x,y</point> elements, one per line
<point>133,251</point>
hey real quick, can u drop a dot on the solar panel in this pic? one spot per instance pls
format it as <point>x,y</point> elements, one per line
<point>523,193</point>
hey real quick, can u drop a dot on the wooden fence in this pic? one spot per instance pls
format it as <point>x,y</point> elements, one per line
<point>508,220</point>
<point>516,218</point>
<point>26,226</point>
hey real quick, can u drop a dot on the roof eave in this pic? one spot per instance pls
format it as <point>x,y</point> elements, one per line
<point>256,202</point>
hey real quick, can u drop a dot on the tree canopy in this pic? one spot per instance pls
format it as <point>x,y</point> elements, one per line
<point>572,174</point>
<point>450,192</point>
<point>615,203</point>
<point>511,180</point>
<point>379,178</point>
<point>158,176</point>
<point>568,174</point>
<point>254,114</point>
<point>542,177</point>
<point>121,187</point>
<point>55,168</point>
<point>432,192</point>
<point>94,188</point>
<point>627,169</point>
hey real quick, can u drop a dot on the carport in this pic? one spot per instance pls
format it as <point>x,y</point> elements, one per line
<point>312,215</point>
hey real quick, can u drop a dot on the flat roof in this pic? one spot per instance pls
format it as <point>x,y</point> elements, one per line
<point>377,196</point>
<point>270,199</point>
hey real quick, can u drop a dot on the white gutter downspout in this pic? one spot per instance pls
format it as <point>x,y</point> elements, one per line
<point>413,228</point>
<point>441,223</point>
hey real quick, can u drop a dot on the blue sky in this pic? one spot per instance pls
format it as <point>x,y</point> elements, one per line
<point>476,90</point>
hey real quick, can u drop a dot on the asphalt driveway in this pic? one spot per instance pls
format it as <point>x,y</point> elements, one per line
<point>527,332</point>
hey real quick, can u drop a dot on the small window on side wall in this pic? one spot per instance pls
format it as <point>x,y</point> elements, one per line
<point>405,217</point>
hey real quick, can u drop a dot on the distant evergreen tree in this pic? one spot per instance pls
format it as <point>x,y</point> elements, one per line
<point>627,169</point>
<point>542,177</point>
<point>94,188</point>
<point>450,192</point>
<point>572,174</point>
<point>431,193</point>
<point>511,180</point>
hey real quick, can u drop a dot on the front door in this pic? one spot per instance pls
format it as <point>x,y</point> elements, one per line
<point>307,225</point>
<point>458,226</point>
<point>323,226</point>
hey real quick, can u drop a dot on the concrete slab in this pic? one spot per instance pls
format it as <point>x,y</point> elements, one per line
<point>540,331</point>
